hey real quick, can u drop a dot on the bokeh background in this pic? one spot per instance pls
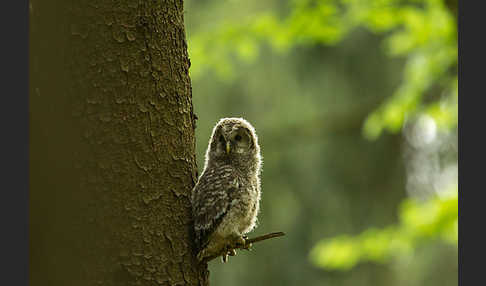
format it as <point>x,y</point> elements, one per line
<point>355,105</point>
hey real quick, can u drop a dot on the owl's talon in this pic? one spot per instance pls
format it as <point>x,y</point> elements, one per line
<point>224,258</point>
<point>240,242</point>
<point>243,244</point>
<point>247,246</point>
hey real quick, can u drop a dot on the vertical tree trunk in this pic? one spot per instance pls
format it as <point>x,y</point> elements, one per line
<point>112,150</point>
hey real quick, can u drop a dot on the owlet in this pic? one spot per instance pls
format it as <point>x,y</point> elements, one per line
<point>225,200</point>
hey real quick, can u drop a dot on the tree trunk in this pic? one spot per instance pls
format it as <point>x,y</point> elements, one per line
<point>112,147</point>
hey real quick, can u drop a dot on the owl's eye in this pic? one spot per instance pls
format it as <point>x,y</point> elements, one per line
<point>238,137</point>
<point>221,138</point>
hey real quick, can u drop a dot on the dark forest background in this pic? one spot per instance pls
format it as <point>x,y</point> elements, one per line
<point>355,104</point>
<point>354,101</point>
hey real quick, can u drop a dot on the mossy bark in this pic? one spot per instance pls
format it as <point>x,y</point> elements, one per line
<point>112,147</point>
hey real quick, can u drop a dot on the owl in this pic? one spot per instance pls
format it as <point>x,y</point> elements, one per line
<point>226,198</point>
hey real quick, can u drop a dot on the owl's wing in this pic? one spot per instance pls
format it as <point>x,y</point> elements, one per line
<point>211,202</point>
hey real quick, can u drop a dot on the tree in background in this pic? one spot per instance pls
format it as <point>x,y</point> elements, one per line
<point>112,151</point>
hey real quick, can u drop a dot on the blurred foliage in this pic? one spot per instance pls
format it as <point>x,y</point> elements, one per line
<point>419,222</point>
<point>422,31</point>
<point>314,76</point>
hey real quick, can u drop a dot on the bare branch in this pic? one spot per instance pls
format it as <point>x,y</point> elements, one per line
<point>249,242</point>
<point>264,237</point>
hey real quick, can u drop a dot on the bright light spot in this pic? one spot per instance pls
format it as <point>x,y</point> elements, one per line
<point>423,132</point>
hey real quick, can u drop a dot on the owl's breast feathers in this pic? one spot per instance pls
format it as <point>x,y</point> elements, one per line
<point>212,197</point>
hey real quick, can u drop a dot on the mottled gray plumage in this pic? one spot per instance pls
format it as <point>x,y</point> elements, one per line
<point>225,200</point>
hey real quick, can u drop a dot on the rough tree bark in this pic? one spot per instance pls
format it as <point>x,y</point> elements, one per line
<point>112,147</point>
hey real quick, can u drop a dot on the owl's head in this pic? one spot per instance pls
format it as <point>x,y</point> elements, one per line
<point>233,140</point>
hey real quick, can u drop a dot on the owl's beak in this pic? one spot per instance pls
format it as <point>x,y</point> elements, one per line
<point>228,147</point>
